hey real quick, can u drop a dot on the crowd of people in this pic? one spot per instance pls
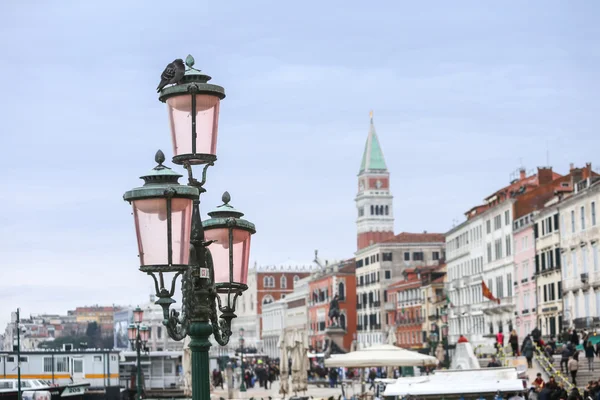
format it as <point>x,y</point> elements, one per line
<point>253,372</point>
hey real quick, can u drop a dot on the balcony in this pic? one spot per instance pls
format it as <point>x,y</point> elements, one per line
<point>507,304</point>
<point>389,306</point>
<point>359,306</point>
<point>377,303</point>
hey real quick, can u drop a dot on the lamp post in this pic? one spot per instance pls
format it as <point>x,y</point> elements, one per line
<point>138,335</point>
<point>210,256</point>
<point>242,384</point>
<point>444,334</point>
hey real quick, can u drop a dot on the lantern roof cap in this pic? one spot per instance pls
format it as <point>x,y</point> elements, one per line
<point>225,210</point>
<point>193,81</point>
<point>161,182</point>
<point>226,215</point>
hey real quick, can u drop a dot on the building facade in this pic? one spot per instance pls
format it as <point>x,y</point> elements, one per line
<point>102,315</point>
<point>333,279</point>
<point>419,300</point>
<point>580,236</point>
<point>274,282</point>
<point>374,201</point>
<point>296,317</point>
<point>380,265</point>
<point>274,322</point>
<point>548,265</point>
<point>480,251</point>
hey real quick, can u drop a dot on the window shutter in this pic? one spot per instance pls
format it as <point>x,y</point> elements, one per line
<point>557,257</point>
<point>556,222</point>
<point>537,263</point>
<point>535,231</point>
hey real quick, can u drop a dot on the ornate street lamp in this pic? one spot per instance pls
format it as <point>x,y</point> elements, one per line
<point>211,257</point>
<point>138,335</point>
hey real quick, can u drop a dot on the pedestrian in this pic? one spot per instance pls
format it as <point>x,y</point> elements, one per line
<point>575,338</point>
<point>499,340</point>
<point>333,376</point>
<point>539,381</point>
<point>589,354</point>
<point>564,358</point>
<point>494,363</point>
<point>528,353</point>
<point>573,366</point>
<point>514,342</point>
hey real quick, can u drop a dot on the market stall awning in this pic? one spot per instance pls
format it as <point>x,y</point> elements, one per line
<point>384,355</point>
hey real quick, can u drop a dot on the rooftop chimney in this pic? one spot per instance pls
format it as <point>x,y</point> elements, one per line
<point>587,171</point>
<point>571,167</point>
<point>544,175</point>
<point>522,174</point>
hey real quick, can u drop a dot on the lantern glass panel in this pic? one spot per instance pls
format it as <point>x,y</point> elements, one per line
<point>445,331</point>
<point>131,332</point>
<point>151,228</point>
<point>220,254</point>
<point>138,315</point>
<point>207,123</point>
<point>144,333</point>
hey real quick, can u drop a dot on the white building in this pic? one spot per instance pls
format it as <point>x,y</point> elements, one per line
<point>247,317</point>
<point>480,251</point>
<point>273,317</point>
<point>296,316</point>
<point>580,241</point>
<point>380,265</point>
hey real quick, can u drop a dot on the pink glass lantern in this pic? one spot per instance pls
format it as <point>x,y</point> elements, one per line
<point>206,120</point>
<point>131,332</point>
<point>144,333</point>
<point>162,211</point>
<point>231,247</point>
<point>193,108</point>
<point>138,315</point>
<point>445,330</point>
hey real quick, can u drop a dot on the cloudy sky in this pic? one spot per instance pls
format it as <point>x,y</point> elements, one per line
<point>463,92</point>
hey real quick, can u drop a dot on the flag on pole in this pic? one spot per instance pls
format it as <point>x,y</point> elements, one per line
<point>448,301</point>
<point>487,293</point>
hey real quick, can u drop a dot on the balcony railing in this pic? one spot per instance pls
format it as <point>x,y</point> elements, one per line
<point>390,306</point>
<point>506,304</point>
<point>377,303</point>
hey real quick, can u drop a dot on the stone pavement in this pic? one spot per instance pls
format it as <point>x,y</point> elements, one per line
<point>257,393</point>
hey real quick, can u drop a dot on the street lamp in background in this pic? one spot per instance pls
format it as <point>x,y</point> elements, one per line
<point>210,256</point>
<point>138,335</point>
<point>242,342</point>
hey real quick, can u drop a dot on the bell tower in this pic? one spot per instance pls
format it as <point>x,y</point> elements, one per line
<point>374,201</point>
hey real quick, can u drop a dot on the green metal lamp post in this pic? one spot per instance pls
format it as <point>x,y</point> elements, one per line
<point>138,335</point>
<point>210,256</point>
<point>242,384</point>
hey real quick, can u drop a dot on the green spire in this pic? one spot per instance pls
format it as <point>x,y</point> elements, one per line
<point>372,159</point>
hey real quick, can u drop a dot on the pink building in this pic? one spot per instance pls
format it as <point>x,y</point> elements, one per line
<point>525,287</point>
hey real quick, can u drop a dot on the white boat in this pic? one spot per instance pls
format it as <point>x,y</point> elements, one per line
<point>9,389</point>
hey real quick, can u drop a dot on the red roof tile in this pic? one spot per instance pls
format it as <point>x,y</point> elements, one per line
<point>406,237</point>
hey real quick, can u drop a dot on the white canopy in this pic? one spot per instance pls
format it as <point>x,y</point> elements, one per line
<point>458,382</point>
<point>385,355</point>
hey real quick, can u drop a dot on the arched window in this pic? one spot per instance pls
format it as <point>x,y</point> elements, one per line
<point>365,322</point>
<point>376,210</point>
<point>387,211</point>
<point>372,212</point>
<point>283,282</point>
<point>370,298</point>
<point>296,279</point>
<point>341,290</point>
<point>268,299</point>
<point>343,320</point>
<point>269,282</point>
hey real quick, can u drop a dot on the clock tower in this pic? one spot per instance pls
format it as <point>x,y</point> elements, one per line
<point>374,201</point>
